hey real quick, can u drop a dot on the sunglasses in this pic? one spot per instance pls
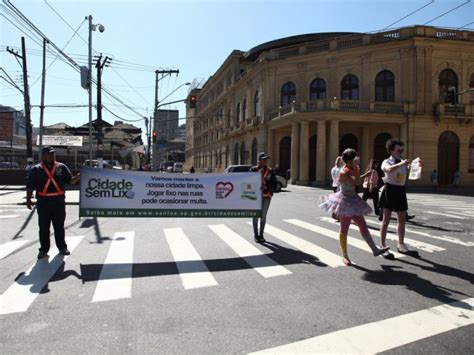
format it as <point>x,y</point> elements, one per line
<point>400,150</point>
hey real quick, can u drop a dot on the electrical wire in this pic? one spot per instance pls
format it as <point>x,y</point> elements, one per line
<point>447,12</point>
<point>408,15</point>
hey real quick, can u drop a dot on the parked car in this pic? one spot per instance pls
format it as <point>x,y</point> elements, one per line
<point>9,165</point>
<point>113,163</point>
<point>281,181</point>
<point>178,167</point>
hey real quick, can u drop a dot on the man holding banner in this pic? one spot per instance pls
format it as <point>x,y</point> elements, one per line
<point>49,179</point>
<point>268,186</point>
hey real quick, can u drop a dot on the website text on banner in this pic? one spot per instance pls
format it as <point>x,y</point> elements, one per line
<point>125,193</point>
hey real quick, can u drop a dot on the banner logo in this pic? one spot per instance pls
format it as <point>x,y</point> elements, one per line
<point>248,192</point>
<point>223,189</point>
<point>109,189</point>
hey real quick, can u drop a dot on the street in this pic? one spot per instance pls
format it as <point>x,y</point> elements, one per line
<point>171,285</point>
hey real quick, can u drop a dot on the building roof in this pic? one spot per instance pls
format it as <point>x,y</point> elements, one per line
<point>60,125</point>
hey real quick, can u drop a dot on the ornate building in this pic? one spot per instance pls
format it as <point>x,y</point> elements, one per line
<point>304,99</point>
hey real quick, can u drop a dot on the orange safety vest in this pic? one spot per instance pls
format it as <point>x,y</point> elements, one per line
<point>50,174</point>
<point>266,193</point>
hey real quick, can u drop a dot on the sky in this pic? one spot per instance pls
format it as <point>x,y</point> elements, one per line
<point>193,36</point>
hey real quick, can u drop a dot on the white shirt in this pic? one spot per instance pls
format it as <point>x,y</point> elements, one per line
<point>334,173</point>
<point>395,177</point>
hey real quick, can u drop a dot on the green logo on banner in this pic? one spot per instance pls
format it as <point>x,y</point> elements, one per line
<point>107,188</point>
<point>248,192</point>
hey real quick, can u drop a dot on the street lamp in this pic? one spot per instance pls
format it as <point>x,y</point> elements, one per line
<point>101,29</point>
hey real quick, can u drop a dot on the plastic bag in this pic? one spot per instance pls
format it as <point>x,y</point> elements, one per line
<point>415,170</point>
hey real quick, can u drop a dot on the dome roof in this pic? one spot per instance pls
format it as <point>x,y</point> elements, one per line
<point>253,53</point>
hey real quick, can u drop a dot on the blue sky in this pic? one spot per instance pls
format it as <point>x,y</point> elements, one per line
<point>190,35</point>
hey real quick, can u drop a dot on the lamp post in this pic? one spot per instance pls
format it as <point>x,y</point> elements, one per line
<point>101,29</point>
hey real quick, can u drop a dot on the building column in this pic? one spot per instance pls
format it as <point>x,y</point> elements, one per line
<point>321,153</point>
<point>271,145</point>
<point>334,143</point>
<point>295,151</point>
<point>304,153</point>
<point>365,147</point>
<point>404,138</point>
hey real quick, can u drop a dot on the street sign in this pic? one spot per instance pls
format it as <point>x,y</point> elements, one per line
<point>72,141</point>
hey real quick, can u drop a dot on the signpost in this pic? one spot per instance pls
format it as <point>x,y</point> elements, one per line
<point>125,193</point>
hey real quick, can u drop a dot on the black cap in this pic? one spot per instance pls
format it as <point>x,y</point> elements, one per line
<point>263,156</point>
<point>48,149</point>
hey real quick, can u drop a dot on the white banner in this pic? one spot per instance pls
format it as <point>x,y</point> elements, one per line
<point>71,141</point>
<point>125,193</point>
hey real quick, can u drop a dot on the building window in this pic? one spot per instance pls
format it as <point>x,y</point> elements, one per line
<point>254,151</point>
<point>350,88</point>
<point>471,155</point>
<point>385,86</point>
<point>447,80</point>
<point>244,109</point>
<point>243,159</point>
<point>288,93</point>
<point>228,118</point>
<point>237,114</point>
<point>257,103</point>
<point>317,89</point>
<point>236,154</point>
<point>471,86</point>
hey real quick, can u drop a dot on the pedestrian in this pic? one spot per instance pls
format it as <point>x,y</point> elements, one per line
<point>48,179</point>
<point>394,198</point>
<point>29,166</point>
<point>370,185</point>
<point>456,178</point>
<point>336,169</point>
<point>269,184</point>
<point>347,205</point>
<point>434,180</point>
<point>191,171</point>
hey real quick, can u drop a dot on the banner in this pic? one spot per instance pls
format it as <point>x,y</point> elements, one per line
<point>70,141</point>
<point>125,193</point>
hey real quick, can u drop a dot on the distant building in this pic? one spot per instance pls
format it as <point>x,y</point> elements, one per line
<point>12,123</point>
<point>182,132</point>
<point>166,126</point>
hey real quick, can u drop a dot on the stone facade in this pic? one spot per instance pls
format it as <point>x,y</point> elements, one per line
<point>304,99</point>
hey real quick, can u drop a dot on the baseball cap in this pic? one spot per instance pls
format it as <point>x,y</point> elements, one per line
<point>48,149</point>
<point>263,156</point>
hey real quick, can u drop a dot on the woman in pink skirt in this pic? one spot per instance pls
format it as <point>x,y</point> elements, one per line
<point>347,205</point>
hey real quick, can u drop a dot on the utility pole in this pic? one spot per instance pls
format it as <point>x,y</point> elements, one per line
<point>100,66</point>
<point>158,73</point>
<point>26,95</point>
<point>43,82</point>
<point>89,81</point>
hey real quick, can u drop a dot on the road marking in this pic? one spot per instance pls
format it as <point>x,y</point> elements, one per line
<point>115,281</point>
<point>444,238</point>
<point>335,235</point>
<point>386,334</point>
<point>444,214</point>
<point>323,255</point>
<point>22,293</point>
<point>9,216</point>
<point>462,214</point>
<point>15,210</point>
<point>263,264</point>
<point>9,247</point>
<point>430,248</point>
<point>192,270</point>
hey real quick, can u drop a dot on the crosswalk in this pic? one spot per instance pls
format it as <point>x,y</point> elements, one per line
<point>453,208</point>
<point>317,238</point>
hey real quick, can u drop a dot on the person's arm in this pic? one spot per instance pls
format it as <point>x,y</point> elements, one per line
<point>387,168</point>
<point>30,187</point>
<point>365,174</point>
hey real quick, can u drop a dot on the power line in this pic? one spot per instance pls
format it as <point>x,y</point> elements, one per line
<point>408,15</point>
<point>447,12</point>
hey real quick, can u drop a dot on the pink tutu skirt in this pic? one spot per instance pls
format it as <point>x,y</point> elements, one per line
<point>344,206</point>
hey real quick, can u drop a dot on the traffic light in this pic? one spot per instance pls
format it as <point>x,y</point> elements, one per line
<point>192,101</point>
<point>154,137</point>
<point>451,96</point>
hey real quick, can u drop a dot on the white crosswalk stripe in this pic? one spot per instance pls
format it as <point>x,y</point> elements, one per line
<point>430,248</point>
<point>462,214</point>
<point>264,265</point>
<point>9,216</point>
<point>323,255</point>
<point>9,247</point>
<point>115,280</point>
<point>444,238</point>
<point>21,294</point>
<point>334,235</point>
<point>443,214</point>
<point>193,271</point>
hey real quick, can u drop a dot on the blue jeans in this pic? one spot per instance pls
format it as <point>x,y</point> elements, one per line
<point>265,205</point>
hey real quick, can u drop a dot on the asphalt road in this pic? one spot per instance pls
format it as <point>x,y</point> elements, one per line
<point>203,285</point>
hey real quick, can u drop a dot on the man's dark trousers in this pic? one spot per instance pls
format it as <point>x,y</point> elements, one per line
<point>51,211</point>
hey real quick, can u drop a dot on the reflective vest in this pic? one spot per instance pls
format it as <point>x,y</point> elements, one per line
<point>266,193</point>
<point>50,174</point>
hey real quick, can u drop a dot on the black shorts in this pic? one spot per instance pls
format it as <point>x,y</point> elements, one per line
<point>394,198</point>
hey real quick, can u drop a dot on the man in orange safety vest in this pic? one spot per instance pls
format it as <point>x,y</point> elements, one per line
<point>49,179</point>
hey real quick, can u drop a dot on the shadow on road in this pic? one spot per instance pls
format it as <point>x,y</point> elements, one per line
<point>25,223</point>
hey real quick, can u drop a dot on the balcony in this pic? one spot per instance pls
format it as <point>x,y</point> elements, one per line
<point>462,112</point>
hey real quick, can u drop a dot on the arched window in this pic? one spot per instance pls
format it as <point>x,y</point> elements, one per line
<point>448,157</point>
<point>288,93</point>
<point>471,86</point>
<point>348,141</point>
<point>237,114</point>
<point>236,154</point>
<point>243,159</point>
<point>350,88</point>
<point>447,80</point>
<point>317,89</point>
<point>226,156</point>
<point>385,86</point>
<point>244,109</point>
<point>228,118</point>
<point>257,103</point>
<point>254,151</point>
<point>471,155</point>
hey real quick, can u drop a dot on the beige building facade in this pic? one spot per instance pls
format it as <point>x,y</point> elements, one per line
<point>304,99</point>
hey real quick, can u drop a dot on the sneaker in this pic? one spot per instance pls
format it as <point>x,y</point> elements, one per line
<point>381,250</point>
<point>42,254</point>
<point>65,252</point>
<point>262,239</point>
<point>410,217</point>
<point>389,256</point>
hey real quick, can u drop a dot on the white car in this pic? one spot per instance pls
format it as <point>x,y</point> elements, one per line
<point>281,181</point>
<point>178,167</point>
